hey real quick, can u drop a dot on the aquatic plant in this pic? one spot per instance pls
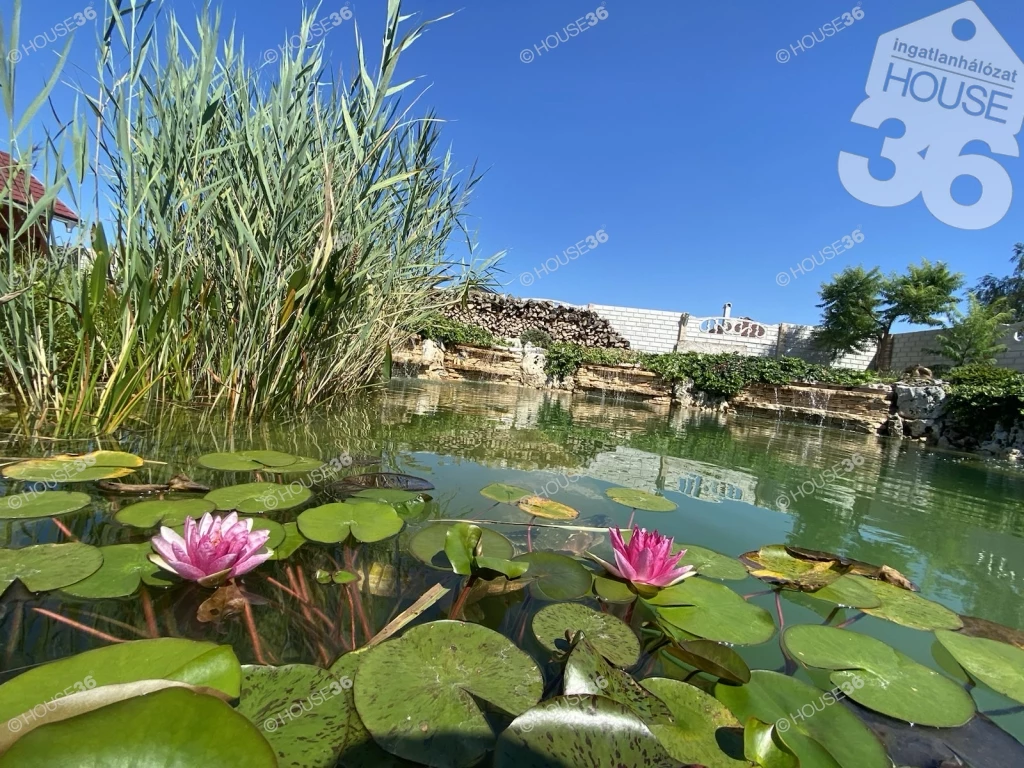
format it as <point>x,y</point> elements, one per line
<point>212,551</point>
<point>647,560</point>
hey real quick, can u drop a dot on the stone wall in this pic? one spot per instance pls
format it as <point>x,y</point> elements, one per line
<point>911,349</point>
<point>509,317</point>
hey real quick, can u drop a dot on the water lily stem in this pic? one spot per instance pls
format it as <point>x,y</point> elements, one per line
<point>632,514</point>
<point>357,596</point>
<point>250,624</point>
<point>529,538</point>
<point>64,529</point>
<point>147,609</point>
<point>460,601</point>
<point>77,625</point>
<point>850,621</point>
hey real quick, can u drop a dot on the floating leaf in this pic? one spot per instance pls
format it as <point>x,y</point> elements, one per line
<point>124,567</point>
<point>711,657</point>
<point>174,727</point>
<point>21,506</point>
<point>880,677</point>
<point>65,468</point>
<point>147,514</point>
<point>698,716</point>
<point>388,495</point>
<point>259,461</point>
<point>611,636</point>
<point>227,600</point>
<point>293,539</point>
<point>417,695</point>
<point>507,494</point>
<point>849,591</point>
<point>277,532</point>
<point>975,627</point>
<point>830,735</point>
<point>188,661</point>
<point>43,567</point>
<point>365,520</point>
<point>634,499</point>
<point>555,576</point>
<point>711,564</point>
<point>714,612</point>
<point>763,746</point>
<point>257,498</point>
<point>998,665</point>
<point>590,731</point>
<point>382,480</point>
<point>427,545</point>
<point>302,711</point>
<point>908,608</point>
<point>539,506</point>
<point>613,590</point>
<point>586,672</point>
<point>775,565</point>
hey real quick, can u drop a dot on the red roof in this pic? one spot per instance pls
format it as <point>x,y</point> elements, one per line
<point>35,190</point>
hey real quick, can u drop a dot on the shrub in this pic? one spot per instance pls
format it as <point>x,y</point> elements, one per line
<point>447,331</point>
<point>537,337</point>
<point>565,358</point>
<point>981,396</point>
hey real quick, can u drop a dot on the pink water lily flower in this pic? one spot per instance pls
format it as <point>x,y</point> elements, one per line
<point>212,551</point>
<point>647,560</point>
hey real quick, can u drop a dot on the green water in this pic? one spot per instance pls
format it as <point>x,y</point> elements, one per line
<point>953,524</point>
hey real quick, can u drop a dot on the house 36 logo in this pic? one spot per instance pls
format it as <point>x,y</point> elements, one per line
<point>951,79</point>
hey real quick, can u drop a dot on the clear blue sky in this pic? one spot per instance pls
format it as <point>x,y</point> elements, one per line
<point>711,166</point>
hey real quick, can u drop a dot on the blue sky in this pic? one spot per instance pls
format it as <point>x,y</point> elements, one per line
<point>671,126</point>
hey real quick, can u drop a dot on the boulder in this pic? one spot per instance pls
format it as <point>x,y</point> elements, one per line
<point>919,402</point>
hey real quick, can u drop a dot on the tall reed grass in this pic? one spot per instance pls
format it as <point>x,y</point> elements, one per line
<point>273,234</point>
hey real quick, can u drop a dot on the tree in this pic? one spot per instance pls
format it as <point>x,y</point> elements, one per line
<point>991,289</point>
<point>974,337</point>
<point>860,308</point>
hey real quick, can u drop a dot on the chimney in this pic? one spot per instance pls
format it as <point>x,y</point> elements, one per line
<point>727,310</point>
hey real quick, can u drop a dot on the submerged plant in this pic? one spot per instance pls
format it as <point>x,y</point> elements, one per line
<point>647,559</point>
<point>215,550</point>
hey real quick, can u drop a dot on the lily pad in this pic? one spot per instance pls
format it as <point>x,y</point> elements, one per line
<point>775,565</point>
<point>712,564</point>
<point>698,716</point>
<point>365,520</point>
<point>634,499</point>
<point>277,531</point>
<point>609,635</point>
<point>301,710</point>
<point>849,591</point>
<point>259,461</point>
<point>148,514</point>
<point>257,498</point>
<point>388,495</point>
<point>555,576</point>
<point>998,665</point>
<point>830,736</point>
<point>975,627</point>
<point>881,678</point>
<point>65,468</point>
<point>763,746</point>
<point>21,506</point>
<point>382,480</point>
<point>418,695</point>
<point>507,494</point>
<point>427,545</point>
<point>586,672</point>
<point>714,612</point>
<point>613,590</point>
<point>125,566</point>
<point>291,542</point>
<point>908,608</point>
<point>43,567</point>
<point>172,728</point>
<point>464,552</point>
<point>591,731</point>
<point>539,506</point>
<point>165,658</point>
<point>711,657</point>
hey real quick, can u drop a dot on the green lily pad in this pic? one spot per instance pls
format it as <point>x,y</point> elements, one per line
<point>98,465</point>
<point>165,658</point>
<point>763,746</point>
<point>291,542</point>
<point>830,736</point>
<point>259,461</point>
<point>388,495</point>
<point>586,672</point>
<point>775,565</point>
<point>277,532</point>
<point>539,506</point>
<point>43,567</point>
<point>634,499</point>
<point>257,498</point>
<point>555,576</point>
<point>998,665</point>
<point>427,545</point>
<point>172,728</point>
<point>461,545</point>
<point>125,566</point>
<point>609,635</point>
<point>613,590</point>
<point>908,608</point>
<point>849,591</point>
<point>880,677</point>
<point>711,657</point>
<point>22,506</point>
<point>714,612</point>
<point>365,520</point>
<point>712,564</point>
<point>301,710</point>
<point>507,494</point>
<point>591,731</point>
<point>417,695</point>
<point>698,716</point>
<point>169,512</point>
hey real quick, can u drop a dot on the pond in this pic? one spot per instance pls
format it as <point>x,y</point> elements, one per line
<point>949,523</point>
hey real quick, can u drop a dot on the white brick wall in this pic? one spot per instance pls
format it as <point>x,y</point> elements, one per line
<point>910,349</point>
<point>648,330</point>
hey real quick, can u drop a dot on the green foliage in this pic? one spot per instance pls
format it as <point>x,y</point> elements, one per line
<point>981,396</point>
<point>537,337</point>
<point>565,358</point>
<point>991,289</point>
<point>920,296</point>
<point>974,338</point>
<point>447,331</point>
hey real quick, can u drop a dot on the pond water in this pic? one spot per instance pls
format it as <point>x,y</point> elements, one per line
<point>950,523</point>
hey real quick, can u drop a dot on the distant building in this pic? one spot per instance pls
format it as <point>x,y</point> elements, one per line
<point>21,195</point>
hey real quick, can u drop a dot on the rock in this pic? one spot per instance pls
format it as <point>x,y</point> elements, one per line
<point>919,402</point>
<point>432,359</point>
<point>895,426</point>
<point>533,367</point>
<point>917,428</point>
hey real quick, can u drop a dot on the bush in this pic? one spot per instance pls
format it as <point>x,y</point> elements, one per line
<point>564,358</point>
<point>537,337</point>
<point>981,396</point>
<point>447,331</point>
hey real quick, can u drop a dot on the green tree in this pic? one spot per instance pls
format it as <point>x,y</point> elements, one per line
<point>991,289</point>
<point>860,308</point>
<point>973,338</point>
